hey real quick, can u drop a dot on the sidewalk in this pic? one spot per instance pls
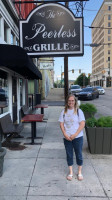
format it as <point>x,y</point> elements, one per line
<point>39,171</point>
<point>55,97</point>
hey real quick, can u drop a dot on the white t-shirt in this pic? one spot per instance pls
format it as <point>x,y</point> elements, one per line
<point>71,121</point>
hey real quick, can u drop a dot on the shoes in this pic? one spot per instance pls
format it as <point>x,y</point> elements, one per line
<point>80,177</point>
<point>69,177</point>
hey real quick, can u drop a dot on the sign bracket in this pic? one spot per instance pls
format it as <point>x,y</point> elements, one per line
<point>78,5</point>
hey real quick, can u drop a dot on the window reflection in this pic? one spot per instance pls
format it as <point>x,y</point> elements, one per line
<point>4,92</point>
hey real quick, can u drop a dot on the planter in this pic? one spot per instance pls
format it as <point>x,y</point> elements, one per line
<point>88,115</point>
<point>88,109</point>
<point>2,154</point>
<point>99,140</point>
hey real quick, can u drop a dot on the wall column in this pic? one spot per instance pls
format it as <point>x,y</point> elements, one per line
<point>8,35</point>
<point>2,28</point>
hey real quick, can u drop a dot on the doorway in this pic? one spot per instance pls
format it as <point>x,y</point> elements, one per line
<point>14,98</point>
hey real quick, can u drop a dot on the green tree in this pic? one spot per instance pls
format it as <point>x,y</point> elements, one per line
<point>82,80</point>
<point>55,85</point>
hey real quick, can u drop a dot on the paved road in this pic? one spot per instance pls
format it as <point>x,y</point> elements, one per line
<point>103,104</point>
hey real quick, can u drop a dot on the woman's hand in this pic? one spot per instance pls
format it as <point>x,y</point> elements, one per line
<point>67,137</point>
<point>81,126</point>
<point>72,137</point>
<point>63,131</point>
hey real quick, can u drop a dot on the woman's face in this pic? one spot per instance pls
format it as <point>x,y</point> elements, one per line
<point>71,102</point>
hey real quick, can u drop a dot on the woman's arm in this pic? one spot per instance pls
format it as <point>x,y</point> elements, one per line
<point>63,131</point>
<point>81,126</point>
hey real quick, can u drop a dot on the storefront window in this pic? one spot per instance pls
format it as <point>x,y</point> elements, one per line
<point>109,7</point>
<point>12,38</point>
<point>21,92</point>
<point>4,92</point>
<point>30,93</point>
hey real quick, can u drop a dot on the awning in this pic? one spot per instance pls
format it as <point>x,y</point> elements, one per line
<point>16,59</point>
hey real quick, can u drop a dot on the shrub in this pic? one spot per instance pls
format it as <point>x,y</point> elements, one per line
<point>105,121</point>
<point>91,122</point>
<point>90,108</point>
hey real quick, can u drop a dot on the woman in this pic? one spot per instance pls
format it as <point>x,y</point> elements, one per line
<point>72,122</point>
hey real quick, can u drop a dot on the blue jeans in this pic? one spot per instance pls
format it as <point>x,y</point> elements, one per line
<point>75,144</point>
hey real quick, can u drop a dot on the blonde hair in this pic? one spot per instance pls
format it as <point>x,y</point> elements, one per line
<point>75,105</point>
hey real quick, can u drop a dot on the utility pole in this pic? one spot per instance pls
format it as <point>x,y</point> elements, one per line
<point>109,68</point>
<point>61,76</point>
<point>89,78</point>
<point>83,79</point>
<point>109,80</point>
<point>66,76</point>
<point>66,69</point>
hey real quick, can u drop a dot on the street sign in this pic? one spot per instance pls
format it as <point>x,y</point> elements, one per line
<point>46,65</point>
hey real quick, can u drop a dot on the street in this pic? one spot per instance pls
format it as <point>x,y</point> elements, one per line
<point>103,103</point>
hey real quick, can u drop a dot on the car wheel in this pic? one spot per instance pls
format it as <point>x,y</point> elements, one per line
<point>98,96</point>
<point>92,97</point>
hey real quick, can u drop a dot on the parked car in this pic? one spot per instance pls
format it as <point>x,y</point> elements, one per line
<point>100,89</point>
<point>88,93</point>
<point>75,89</point>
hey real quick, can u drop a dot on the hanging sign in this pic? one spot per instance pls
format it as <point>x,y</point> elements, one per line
<point>46,65</point>
<point>54,1</point>
<point>52,30</point>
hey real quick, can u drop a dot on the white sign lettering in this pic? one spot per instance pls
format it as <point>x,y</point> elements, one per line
<point>41,29</point>
<point>52,47</point>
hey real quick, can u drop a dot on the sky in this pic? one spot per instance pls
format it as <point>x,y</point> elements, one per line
<point>83,62</point>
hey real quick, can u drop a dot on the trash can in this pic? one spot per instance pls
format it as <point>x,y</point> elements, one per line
<point>2,154</point>
<point>37,99</point>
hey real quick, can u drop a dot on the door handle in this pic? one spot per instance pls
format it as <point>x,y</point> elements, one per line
<point>13,99</point>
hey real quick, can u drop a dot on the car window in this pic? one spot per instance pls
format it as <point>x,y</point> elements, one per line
<point>75,87</point>
<point>87,89</point>
<point>98,87</point>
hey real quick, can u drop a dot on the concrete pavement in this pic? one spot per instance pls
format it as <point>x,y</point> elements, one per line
<point>55,97</point>
<point>39,171</point>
